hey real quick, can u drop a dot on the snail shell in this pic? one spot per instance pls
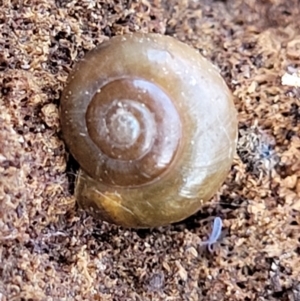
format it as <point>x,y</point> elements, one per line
<point>154,129</point>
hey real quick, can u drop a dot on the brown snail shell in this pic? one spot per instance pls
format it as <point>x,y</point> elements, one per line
<point>153,126</point>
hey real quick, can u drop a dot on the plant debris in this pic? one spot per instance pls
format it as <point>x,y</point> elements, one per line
<point>50,250</point>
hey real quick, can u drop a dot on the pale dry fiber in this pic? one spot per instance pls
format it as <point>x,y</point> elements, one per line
<point>51,251</point>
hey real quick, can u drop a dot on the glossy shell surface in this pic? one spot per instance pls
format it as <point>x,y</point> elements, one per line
<point>153,126</point>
